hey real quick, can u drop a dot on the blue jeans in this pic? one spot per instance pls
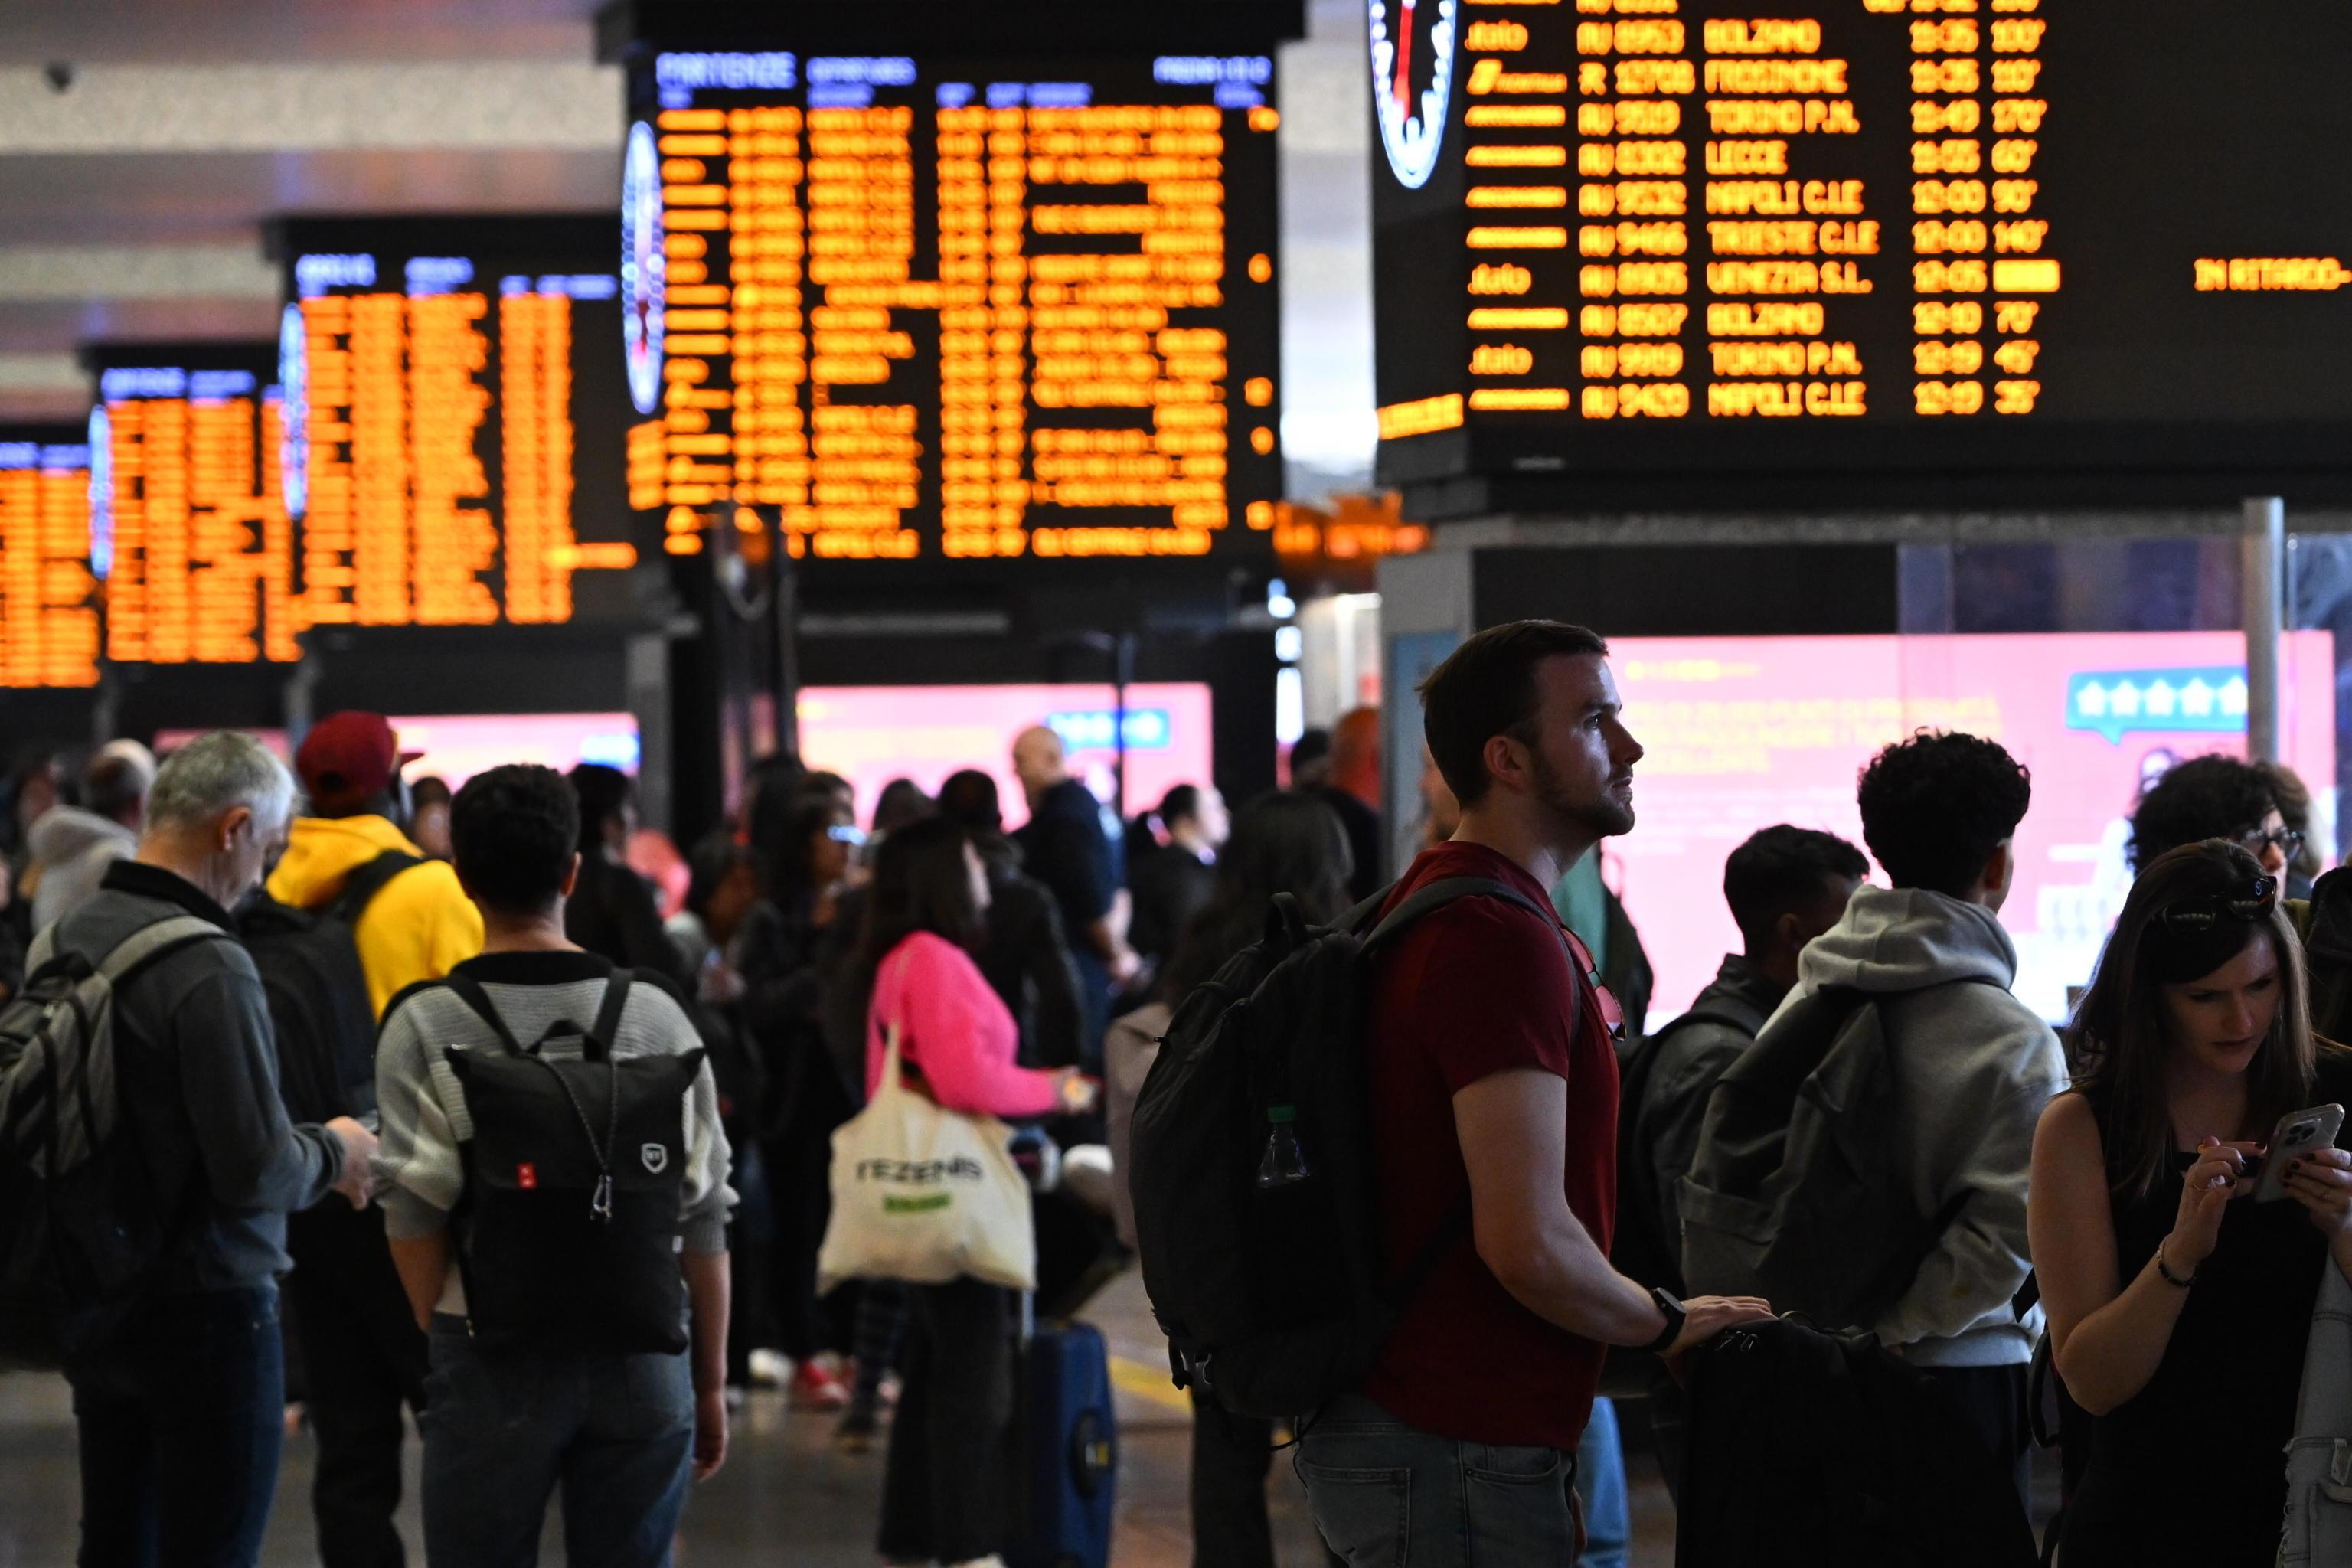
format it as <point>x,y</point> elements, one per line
<point>1600,1475</point>
<point>181,1422</point>
<point>502,1431</point>
<point>1386,1495</point>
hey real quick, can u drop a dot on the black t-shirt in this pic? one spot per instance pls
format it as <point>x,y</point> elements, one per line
<point>1363,826</point>
<point>1063,845</point>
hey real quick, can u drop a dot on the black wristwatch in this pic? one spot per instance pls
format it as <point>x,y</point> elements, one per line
<point>1674,1311</point>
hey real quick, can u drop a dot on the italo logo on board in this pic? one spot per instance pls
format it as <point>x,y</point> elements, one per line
<point>1412,80</point>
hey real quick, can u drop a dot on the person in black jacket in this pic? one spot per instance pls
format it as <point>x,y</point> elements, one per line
<point>611,913</point>
<point>1064,846</point>
<point>1024,954</point>
<point>804,857</point>
<point>1785,886</point>
<point>181,1413</point>
<point>1172,881</point>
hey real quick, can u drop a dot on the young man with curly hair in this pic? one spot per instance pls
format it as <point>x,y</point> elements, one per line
<point>1972,1065</point>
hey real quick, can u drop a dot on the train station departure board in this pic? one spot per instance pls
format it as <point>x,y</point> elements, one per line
<point>48,597</point>
<point>456,420</point>
<point>187,521</point>
<point>1923,236</point>
<point>931,307</point>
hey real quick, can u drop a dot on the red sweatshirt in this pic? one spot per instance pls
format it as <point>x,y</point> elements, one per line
<point>954,1027</point>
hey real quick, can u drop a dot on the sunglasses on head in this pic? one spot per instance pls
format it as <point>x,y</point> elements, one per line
<point>2206,911</point>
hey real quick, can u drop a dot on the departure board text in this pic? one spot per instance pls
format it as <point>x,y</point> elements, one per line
<point>49,604</point>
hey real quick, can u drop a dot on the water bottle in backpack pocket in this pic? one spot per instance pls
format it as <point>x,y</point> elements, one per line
<point>575,1168</point>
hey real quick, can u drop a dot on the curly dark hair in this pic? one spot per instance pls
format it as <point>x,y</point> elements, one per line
<point>2204,798</point>
<point>1935,807</point>
<point>513,832</point>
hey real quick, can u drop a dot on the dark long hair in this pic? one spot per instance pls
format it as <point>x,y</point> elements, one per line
<point>1285,842</point>
<point>921,882</point>
<point>2119,1038</point>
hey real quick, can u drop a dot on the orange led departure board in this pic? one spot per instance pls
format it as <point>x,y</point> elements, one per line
<point>48,599</point>
<point>1672,238</point>
<point>457,421</point>
<point>188,526</point>
<point>955,309</point>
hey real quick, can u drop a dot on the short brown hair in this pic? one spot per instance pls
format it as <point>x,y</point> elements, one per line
<point>1486,688</point>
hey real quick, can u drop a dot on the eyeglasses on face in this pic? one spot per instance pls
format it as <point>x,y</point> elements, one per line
<point>2288,841</point>
<point>2206,911</point>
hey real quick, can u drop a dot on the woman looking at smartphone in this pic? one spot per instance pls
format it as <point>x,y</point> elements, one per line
<point>2178,1309</point>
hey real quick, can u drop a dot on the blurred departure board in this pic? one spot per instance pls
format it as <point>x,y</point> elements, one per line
<point>927,308</point>
<point>187,522</point>
<point>455,420</point>
<point>1892,236</point>
<point>48,599</point>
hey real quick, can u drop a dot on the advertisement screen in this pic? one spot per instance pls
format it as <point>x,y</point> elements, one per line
<point>872,734</point>
<point>455,747</point>
<point>1743,733</point>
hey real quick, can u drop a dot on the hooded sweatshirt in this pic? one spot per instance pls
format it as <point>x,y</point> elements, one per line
<point>1973,1068</point>
<point>72,848</point>
<point>420,927</point>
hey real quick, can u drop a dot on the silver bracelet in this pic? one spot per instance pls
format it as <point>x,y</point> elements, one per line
<point>2169,1277</point>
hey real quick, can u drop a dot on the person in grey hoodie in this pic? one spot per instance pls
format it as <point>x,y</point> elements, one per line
<point>180,1412</point>
<point>72,846</point>
<point>1972,1065</point>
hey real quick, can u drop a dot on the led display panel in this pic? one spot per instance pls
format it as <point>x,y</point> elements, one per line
<point>49,633</point>
<point>872,734</point>
<point>455,420</point>
<point>1888,236</point>
<point>454,747</point>
<point>187,525</point>
<point>1745,732</point>
<point>956,308</point>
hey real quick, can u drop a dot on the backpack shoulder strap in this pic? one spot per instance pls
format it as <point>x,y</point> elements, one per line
<point>468,990</point>
<point>608,1027</point>
<point>151,942</point>
<point>362,885</point>
<point>1437,895</point>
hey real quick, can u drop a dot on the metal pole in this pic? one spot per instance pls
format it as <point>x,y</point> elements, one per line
<point>2262,551</point>
<point>784,580</point>
<point>1122,677</point>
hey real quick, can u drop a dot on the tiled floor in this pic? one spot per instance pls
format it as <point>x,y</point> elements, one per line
<point>786,1500</point>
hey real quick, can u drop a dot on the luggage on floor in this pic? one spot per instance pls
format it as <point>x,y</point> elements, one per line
<point>1069,1449</point>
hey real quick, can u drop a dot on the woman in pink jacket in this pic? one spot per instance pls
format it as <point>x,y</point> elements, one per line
<point>951,1467</point>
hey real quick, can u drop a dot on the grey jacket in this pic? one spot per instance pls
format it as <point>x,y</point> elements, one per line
<point>73,848</point>
<point>198,1071</point>
<point>2319,1457</point>
<point>1973,1068</point>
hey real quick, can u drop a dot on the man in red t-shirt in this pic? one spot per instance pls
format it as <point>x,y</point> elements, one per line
<point>1493,1078</point>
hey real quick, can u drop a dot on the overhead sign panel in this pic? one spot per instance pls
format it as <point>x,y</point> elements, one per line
<point>925,307</point>
<point>48,597</point>
<point>1673,238</point>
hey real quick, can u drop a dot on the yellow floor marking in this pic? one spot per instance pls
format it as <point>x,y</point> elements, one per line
<point>1148,1382</point>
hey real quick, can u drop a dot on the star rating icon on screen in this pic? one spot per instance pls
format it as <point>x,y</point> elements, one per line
<point>2113,702</point>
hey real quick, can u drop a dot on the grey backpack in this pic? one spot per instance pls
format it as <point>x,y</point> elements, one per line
<point>1798,1192</point>
<point>83,1227</point>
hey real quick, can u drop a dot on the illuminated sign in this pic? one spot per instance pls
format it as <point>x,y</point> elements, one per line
<point>1673,236</point>
<point>48,599</point>
<point>186,519</point>
<point>923,308</point>
<point>455,420</point>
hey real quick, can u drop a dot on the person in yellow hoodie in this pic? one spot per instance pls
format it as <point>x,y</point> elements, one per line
<point>362,1354</point>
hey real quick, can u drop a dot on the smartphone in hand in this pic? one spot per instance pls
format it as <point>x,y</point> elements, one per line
<point>2298,1133</point>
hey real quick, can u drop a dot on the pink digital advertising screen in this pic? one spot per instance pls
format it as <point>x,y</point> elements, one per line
<point>872,734</point>
<point>1745,732</point>
<point>457,746</point>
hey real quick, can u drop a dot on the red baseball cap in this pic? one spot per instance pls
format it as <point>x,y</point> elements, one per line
<point>348,757</point>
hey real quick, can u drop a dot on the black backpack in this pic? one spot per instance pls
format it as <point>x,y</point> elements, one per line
<point>1641,1249</point>
<point>575,1163</point>
<point>1798,1194</point>
<point>320,1007</point>
<point>84,1226</point>
<point>2328,946</point>
<point>1272,1296</point>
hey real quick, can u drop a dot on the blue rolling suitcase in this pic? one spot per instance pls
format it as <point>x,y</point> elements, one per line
<point>1069,1448</point>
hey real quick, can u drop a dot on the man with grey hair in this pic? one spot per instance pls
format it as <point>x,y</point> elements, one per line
<point>180,1412</point>
<point>72,846</point>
